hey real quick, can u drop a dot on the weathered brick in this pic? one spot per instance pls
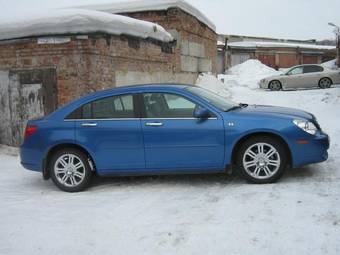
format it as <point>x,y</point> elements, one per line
<point>85,65</point>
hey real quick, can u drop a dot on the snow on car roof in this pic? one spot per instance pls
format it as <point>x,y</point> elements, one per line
<point>127,6</point>
<point>77,21</point>
<point>254,44</point>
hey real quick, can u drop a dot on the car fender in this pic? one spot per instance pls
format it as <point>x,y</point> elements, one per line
<point>69,143</point>
<point>235,139</point>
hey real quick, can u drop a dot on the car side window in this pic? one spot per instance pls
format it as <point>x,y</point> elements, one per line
<point>166,105</point>
<point>120,107</point>
<point>312,69</point>
<point>297,70</point>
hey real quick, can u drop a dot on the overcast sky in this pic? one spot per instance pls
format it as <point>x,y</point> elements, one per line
<point>296,19</point>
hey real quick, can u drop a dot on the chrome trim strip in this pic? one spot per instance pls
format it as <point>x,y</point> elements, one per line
<point>121,119</point>
<point>116,119</point>
<point>176,119</point>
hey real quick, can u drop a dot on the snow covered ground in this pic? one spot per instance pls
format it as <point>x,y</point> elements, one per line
<point>213,214</point>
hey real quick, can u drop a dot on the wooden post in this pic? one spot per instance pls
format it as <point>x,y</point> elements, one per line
<point>338,46</point>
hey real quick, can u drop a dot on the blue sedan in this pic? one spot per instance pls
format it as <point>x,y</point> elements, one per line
<point>168,129</point>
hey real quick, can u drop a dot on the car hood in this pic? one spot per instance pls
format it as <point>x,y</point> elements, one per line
<point>275,111</point>
<point>272,77</point>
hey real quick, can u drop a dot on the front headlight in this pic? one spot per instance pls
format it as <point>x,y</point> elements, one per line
<point>306,126</point>
<point>263,81</point>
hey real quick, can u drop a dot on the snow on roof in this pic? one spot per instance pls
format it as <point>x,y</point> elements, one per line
<point>79,21</point>
<point>255,44</point>
<point>127,6</point>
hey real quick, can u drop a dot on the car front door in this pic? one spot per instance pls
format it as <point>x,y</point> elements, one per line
<point>111,130</point>
<point>175,140</point>
<point>294,78</point>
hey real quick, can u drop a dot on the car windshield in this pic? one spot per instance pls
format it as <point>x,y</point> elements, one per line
<point>218,101</point>
<point>295,70</point>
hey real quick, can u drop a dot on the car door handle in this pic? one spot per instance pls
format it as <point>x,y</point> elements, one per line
<point>89,124</point>
<point>154,124</point>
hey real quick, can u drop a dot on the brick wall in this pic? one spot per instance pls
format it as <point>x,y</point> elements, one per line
<point>100,61</point>
<point>88,65</point>
<point>196,43</point>
<point>83,64</point>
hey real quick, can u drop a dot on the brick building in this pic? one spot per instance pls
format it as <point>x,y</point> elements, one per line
<point>196,40</point>
<point>276,53</point>
<point>42,71</point>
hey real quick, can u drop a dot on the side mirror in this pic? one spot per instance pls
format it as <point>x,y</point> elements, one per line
<point>201,113</point>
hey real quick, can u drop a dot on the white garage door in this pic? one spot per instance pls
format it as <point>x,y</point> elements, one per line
<point>238,58</point>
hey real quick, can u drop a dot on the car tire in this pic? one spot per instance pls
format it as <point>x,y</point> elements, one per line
<point>275,85</point>
<point>261,160</point>
<point>325,83</point>
<point>70,170</point>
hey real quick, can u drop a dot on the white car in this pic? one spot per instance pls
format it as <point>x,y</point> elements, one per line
<point>303,76</point>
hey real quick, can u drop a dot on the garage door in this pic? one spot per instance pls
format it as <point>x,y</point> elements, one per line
<point>287,60</point>
<point>310,59</point>
<point>267,59</point>
<point>239,59</point>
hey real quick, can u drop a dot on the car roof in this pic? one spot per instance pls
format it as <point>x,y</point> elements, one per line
<point>151,85</point>
<point>306,65</point>
<point>140,87</point>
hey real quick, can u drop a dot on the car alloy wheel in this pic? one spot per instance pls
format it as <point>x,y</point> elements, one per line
<point>261,161</point>
<point>275,86</point>
<point>69,170</point>
<point>325,83</point>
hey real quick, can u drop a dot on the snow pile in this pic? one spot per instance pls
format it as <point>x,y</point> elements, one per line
<point>330,64</point>
<point>126,6</point>
<point>248,74</point>
<point>79,21</point>
<point>210,82</point>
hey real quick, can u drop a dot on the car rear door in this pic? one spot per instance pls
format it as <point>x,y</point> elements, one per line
<point>111,130</point>
<point>312,75</point>
<point>176,141</point>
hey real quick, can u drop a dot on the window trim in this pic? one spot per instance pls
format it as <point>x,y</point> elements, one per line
<point>80,118</point>
<point>291,70</point>
<point>143,108</point>
<point>140,109</point>
<point>322,69</point>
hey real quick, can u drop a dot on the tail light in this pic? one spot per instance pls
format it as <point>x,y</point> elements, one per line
<point>30,130</point>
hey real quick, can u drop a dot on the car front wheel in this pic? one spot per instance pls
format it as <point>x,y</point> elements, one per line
<point>262,160</point>
<point>70,170</point>
<point>275,86</point>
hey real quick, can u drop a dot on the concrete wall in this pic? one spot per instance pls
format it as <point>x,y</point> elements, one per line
<point>136,77</point>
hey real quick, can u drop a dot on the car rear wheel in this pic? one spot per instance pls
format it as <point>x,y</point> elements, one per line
<point>325,83</point>
<point>70,170</point>
<point>275,86</point>
<point>261,160</point>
